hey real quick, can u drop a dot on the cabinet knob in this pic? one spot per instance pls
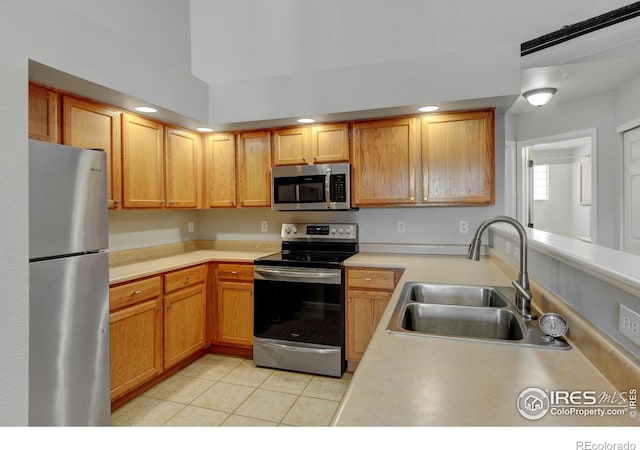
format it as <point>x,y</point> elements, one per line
<point>136,292</point>
<point>189,278</point>
<point>368,279</point>
<point>315,158</point>
<point>159,309</point>
<point>233,272</point>
<point>304,159</point>
<point>116,202</point>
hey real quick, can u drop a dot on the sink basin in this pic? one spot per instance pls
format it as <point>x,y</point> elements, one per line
<point>462,321</point>
<point>448,294</point>
<point>456,311</point>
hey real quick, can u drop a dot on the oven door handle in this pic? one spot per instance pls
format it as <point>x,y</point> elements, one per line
<point>327,187</point>
<point>292,274</point>
<point>299,349</point>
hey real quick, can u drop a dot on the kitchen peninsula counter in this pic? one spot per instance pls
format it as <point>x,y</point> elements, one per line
<point>430,381</point>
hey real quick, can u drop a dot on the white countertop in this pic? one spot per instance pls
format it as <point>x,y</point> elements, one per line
<point>127,272</point>
<point>430,381</point>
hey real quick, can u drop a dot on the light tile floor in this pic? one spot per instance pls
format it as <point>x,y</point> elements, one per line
<point>221,390</point>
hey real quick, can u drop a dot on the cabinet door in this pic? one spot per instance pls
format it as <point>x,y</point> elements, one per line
<point>142,162</point>
<point>184,323</point>
<point>458,158</point>
<point>385,161</point>
<point>91,125</point>
<point>254,169</point>
<point>290,146</point>
<point>43,114</point>
<point>235,313</point>
<point>182,154</point>
<point>364,310</point>
<point>136,345</point>
<point>220,170</point>
<point>329,143</point>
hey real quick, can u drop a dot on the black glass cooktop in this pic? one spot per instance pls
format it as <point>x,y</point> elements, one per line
<point>306,259</point>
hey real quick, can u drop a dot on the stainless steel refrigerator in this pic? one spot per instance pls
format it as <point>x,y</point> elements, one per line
<point>69,365</point>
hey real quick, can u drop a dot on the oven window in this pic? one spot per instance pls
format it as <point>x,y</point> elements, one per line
<point>299,189</point>
<point>301,312</point>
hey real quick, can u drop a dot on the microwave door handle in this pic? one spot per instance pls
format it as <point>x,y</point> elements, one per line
<point>297,193</point>
<point>327,188</point>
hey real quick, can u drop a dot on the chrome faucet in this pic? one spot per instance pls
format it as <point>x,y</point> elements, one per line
<point>523,294</point>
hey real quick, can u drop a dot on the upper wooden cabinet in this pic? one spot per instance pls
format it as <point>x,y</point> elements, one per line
<point>458,158</point>
<point>91,125</point>
<point>182,163</point>
<point>254,169</point>
<point>142,162</point>
<point>220,171</point>
<point>385,162</point>
<point>43,114</point>
<point>453,154</point>
<point>311,145</point>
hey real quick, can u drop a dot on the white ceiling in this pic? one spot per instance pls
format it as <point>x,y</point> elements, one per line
<point>578,80</point>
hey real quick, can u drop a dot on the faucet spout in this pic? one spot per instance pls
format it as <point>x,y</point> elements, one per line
<point>523,294</point>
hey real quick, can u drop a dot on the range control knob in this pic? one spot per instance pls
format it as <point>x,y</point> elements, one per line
<point>333,230</point>
<point>341,230</point>
<point>295,230</point>
<point>349,230</point>
<point>287,229</point>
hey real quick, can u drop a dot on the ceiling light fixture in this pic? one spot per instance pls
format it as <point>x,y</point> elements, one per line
<point>429,108</point>
<point>204,129</point>
<point>306,120</point>
<point>145,109</point>
<point>539,97</point>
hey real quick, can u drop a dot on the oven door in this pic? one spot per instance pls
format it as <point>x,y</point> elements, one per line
<point>299,319</point>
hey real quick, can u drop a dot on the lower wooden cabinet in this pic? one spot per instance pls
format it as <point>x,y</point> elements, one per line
<point>234,318</point>
<point>155,323</point>
<point>136,336</point>
<point>184,323</point>
<point>368,294</point>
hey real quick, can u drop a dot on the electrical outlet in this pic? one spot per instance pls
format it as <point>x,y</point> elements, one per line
<point>464,227</point>
<point>190,225</point>
<point>401,227</point>
<point>264,226</point>
<point>629,324</point>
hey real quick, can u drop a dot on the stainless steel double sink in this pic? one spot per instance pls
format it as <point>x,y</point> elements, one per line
<point>482,313</point>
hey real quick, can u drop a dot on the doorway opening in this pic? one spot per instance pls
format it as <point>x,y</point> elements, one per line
<point>558,182</point>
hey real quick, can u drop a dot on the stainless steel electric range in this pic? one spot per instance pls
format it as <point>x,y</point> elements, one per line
<point>299,305</point>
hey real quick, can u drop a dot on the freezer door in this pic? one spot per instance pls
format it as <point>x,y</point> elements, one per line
<point>69,364</point>
<point>67,200</point>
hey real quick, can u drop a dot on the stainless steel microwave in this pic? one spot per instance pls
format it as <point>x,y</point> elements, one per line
<point>318,187</point>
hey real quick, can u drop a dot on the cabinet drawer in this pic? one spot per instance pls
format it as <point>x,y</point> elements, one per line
<point>133,292</point>
<point>373,278</point>
<point>235,272</point>
<point>185,277</point>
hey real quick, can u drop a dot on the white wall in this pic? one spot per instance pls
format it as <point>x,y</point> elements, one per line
<point>596,111</point>
<point>14,282</point>
<point>109,46</point>
<point>139,228</point>
<point>286,58</point>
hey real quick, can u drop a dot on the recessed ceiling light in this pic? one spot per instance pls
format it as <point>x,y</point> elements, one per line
<point>429,108</point>
<point>204,129</point>
<point>306,120</point>
<point>145,109</point>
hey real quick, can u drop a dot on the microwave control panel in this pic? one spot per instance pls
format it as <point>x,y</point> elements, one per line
<point>338,188</point>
